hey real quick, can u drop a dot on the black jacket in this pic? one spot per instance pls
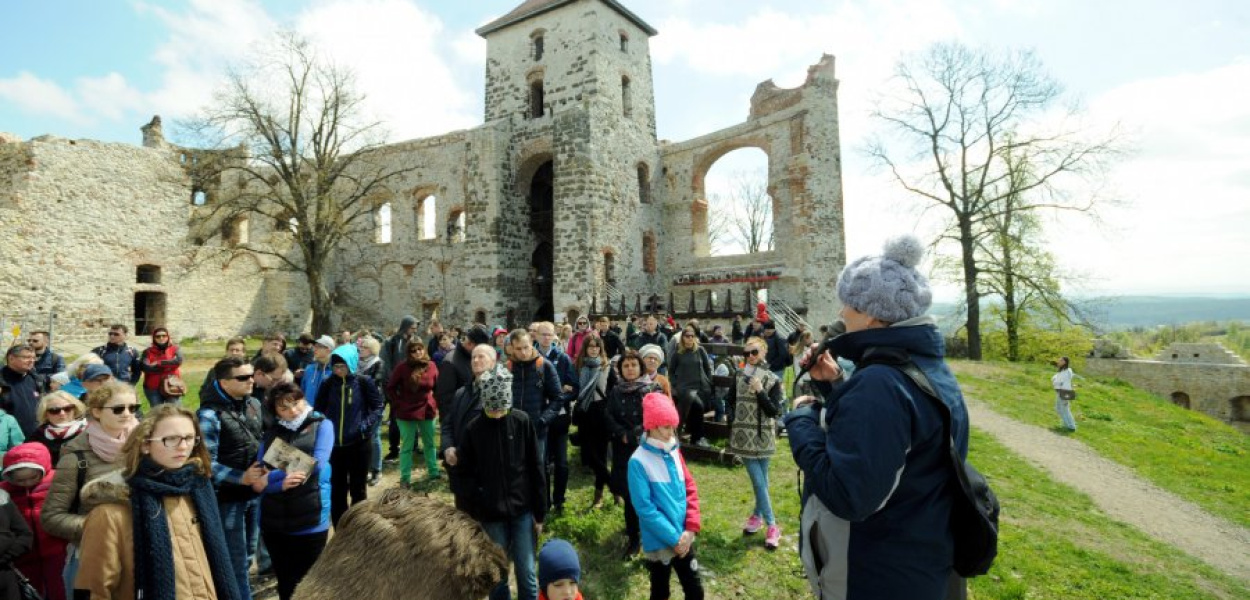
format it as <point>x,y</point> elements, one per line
<point>21,396</point>
<point>241,426</point>
<point>501,459</point>
<point>454,373</point>
<point>778,356</point>
<point>300,507</point>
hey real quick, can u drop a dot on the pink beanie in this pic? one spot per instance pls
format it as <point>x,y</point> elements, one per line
<point>657,411</point>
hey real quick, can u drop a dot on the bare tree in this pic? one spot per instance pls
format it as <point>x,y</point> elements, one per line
<point>743,215</point>
<point>305,158</point>
<point>957,115</point>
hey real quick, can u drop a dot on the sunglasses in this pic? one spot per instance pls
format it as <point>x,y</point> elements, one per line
<point>56,410</point>
<point>753,352</point>
<point>244,378</point>
<point>122,408</point>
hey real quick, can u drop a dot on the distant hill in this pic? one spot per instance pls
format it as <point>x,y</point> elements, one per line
<point>1139,311</point>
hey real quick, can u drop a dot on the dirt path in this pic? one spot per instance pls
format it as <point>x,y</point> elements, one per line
<point>1120,493</point>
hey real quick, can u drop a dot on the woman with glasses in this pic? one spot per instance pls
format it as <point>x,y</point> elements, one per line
<point>90,455</point>
<point>61,418</point>
<point>160,362</point>
<point>156,532</point>
<point>753,435</point>
<point>295,505</point>
<point>411,392</point>
<point>690,375</point>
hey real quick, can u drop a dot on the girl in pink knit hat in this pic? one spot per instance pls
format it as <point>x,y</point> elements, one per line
<point>667,501</point>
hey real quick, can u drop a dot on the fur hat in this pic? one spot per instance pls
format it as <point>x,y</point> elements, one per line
<point>495,389</point>
<point>657,411</point>
<point>651,350</point>
<point>557,560</point>
<point>888,287</point>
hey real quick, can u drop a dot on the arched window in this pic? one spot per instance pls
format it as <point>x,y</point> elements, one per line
<point>624,42</point>
<point>644,183</point>
<point>739,215</point>
<point>199,198</point>
<point>536,99</point>
<point>382,224</point>
<point>627,103</point>
<point>427,212</point>
<point>536,40</point>
<point>455,226</point>
<point>609,267</point>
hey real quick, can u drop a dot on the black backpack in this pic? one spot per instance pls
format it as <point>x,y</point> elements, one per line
<point>974,517</point>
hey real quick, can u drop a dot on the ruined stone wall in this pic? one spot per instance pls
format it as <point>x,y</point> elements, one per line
<point>1210,388</point>
<point>1206,353</point>
<point>798,130</point>
<point>80,216</point>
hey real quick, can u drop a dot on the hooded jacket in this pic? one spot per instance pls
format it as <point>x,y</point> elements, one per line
<point>15,541</point>
<point>46,558</point>
<point>111,545</point>
<point>395,350</point>
<point>876,458</point>
<point>664,494</point>
<point>353,404</point>
<point>21,397</point>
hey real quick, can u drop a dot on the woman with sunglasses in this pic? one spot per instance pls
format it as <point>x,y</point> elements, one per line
<point>160,362</point>
<point>295,505</point>
<point>753,435</point>
<point>95,453</point>
<point>156,532</point>
<point>690,375</point>
<point>411,391</point>
<point>61,418</point>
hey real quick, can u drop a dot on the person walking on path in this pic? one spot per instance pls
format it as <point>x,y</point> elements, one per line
<point>1061,381</point>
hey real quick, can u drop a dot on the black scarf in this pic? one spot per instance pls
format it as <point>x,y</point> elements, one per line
<point>154,560</point>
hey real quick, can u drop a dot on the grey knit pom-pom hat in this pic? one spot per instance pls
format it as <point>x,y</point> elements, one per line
<point>888,287</point>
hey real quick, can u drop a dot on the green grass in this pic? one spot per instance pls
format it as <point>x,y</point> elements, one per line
<point>1054,543</point>
<point>1185,452</point>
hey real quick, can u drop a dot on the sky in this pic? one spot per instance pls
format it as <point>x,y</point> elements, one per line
<point>1174,77</point>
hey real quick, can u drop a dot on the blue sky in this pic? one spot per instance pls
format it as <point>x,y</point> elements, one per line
<point>1176,76</point>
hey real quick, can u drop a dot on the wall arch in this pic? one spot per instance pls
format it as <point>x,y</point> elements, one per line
<point>1180,399</point>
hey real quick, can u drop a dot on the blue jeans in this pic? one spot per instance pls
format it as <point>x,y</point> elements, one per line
<point>1065,412</point>
<point>516,537</point>
<point>757,470</point>
<point>375,449</point>
<point>71,568</point>
<point>240,522</point>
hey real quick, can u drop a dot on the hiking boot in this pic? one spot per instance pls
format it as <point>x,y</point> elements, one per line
<point>374,478</point>
<point>632,548</point>
<point>391,457</point>
<point>772,538</point>
<point>753,525</point>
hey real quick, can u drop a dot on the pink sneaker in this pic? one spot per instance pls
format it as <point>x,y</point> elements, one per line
<point>773,537</point>
<point>753,525</point>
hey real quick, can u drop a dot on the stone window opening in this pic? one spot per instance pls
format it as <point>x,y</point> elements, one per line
<point>1239,409</point>
<point>609,267</point>
<point>234,231</point>
<point>644,183</point>
<point>427,211</point>
<point>455,227</point>
<point>198,197</point>
<point>627,103</point>
<point>148,274</point>
<point>382,224</point>
<point>479,316</point>
<point>648,252</point>
<point>538,45</point>
<point>536,99</point>
<point>1180,399</point>
<point>624,42</point>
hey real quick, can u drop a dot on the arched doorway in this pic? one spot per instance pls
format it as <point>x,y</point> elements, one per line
<point>542,224</point>
<point>1181,399</point>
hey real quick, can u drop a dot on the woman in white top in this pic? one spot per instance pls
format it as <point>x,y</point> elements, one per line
<point>1061,381</point>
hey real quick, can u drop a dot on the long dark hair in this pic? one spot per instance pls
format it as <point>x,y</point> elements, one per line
<point>1063,363</point>
<point>598,343</point>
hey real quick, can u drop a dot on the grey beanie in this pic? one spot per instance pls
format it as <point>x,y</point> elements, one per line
<point>888,287</point>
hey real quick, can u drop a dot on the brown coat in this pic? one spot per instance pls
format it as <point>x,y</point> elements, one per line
<point>107,567</point>
<point>56,518</point>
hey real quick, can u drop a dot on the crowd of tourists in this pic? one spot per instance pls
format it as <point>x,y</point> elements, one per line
<point>106,496</point>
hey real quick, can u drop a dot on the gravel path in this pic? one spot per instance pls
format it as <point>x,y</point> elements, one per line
<point>1119,492</point>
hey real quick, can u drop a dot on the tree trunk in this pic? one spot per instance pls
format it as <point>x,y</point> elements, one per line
<point>1011,315</point>
<point>973,325</point>
<point>321,303</point>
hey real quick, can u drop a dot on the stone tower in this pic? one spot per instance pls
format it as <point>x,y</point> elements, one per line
<point>569,83</point>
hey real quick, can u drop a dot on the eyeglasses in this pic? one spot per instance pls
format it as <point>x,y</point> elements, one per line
<point>121,408</point>
<point>244,378</point>
<point>56,410</point>
<point>752,352</point>
<point>173,441</point>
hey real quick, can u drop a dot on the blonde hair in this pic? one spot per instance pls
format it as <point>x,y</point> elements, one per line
<point>757,341</point>
<point>42,408</point>
<point>371,343</point>
<point>681,344</point>
<point>132,451</point>
<point>100,396</point>
<point>79,365</point>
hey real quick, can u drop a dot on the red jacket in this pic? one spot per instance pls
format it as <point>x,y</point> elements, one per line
<point>156,373</point>
<point>410,400</point>
<point>576,342</point>
<point>43,563</point>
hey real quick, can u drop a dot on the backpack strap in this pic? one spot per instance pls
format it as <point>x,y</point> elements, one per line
<point>81,481</point>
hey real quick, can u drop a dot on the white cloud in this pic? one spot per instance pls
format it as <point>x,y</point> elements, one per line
<point>110,96</point>
<point>38,96</point>
<point>392,45</point>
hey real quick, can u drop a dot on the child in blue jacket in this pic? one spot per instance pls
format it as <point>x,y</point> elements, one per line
<point>664,494</point>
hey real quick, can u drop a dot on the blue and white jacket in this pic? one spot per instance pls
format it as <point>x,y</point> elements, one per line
<point>663,493</point>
